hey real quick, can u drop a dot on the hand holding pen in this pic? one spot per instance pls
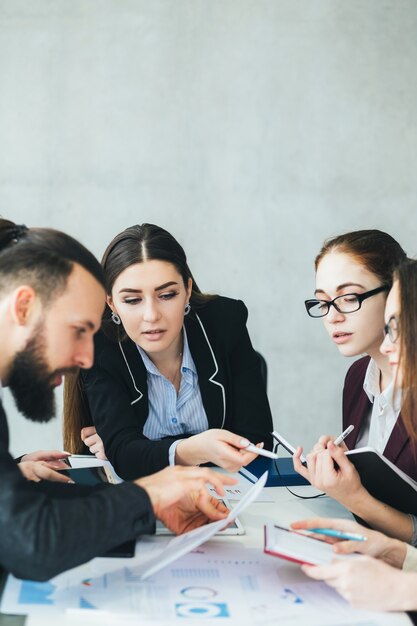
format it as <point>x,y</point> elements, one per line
<point>330,470</point>
<point>350,537</point>
<point>256,450</point>
<point>324,440</point>
<point>333,530</point>
<point>320,446</point>
<point>343,436</point>
<point>338,534</point>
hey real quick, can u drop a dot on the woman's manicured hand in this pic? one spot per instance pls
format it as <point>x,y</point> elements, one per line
<point>217,446</point>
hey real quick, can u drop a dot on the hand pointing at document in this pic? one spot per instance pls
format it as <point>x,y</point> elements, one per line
<point>180,498</point>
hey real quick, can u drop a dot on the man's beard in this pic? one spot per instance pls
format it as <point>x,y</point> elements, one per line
<point>31,382</point>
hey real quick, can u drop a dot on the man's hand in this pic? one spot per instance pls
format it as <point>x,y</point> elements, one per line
<point>193,511</point>
<point>53,457</point>
<point>180,498</point>
<point>41,470</point>
<point>41,465</point>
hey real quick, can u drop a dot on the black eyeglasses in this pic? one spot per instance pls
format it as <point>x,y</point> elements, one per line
<point>392,329</point>
<point>347,303</point>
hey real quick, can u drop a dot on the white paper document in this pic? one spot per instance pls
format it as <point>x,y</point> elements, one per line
<point>166,584</point>
<point>240,585</point>
<point>240,489</point>
<point>188,541</point>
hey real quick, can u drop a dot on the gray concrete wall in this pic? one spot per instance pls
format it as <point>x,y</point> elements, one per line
<point>251,129</point>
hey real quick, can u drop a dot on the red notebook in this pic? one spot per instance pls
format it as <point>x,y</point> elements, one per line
<point>294,546</point>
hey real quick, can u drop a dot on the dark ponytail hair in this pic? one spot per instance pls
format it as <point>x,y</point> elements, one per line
<point>136,244</point>
<point>43,258</point>
<point>10,233</point>
<point>377,251</point>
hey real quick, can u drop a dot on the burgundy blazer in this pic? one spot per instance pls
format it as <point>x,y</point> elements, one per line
<point>400,449</point>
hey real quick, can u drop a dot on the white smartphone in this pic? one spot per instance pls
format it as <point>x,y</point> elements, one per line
<point>288,447</point>
<point>235,528</point>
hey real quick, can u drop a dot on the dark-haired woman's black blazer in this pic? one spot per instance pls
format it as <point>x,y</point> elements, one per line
<point>231,385</point>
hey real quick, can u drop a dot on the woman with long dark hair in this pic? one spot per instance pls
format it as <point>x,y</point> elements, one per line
<point>175,378</point>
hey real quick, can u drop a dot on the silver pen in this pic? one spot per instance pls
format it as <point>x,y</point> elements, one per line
<point>343,436</point>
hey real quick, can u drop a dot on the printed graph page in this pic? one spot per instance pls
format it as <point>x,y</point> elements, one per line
<point>228,584</point>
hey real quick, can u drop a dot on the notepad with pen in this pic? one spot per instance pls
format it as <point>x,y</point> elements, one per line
<point>294,546</point>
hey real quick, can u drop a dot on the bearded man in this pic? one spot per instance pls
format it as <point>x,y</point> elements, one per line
<point>51,300</point>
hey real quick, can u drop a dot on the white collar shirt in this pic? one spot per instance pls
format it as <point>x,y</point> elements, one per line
<point>386,406</point>
<point>172,414</point>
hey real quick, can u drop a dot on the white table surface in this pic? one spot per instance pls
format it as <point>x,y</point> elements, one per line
<point>284,509</point>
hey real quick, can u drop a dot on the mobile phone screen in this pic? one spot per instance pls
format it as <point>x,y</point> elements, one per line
<point>86,475</point>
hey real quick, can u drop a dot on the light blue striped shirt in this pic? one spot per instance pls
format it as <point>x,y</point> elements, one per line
<point>171,414</point>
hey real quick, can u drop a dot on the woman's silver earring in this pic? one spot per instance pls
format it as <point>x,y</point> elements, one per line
<point>116,319</point>
<point>187,308</point>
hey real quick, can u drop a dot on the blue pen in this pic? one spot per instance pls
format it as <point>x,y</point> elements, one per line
<point>339,534</point>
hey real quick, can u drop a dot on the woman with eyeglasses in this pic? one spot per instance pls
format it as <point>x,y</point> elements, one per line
<point>175,379</point>
<point>353,276</point>
<point>385,579</point>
